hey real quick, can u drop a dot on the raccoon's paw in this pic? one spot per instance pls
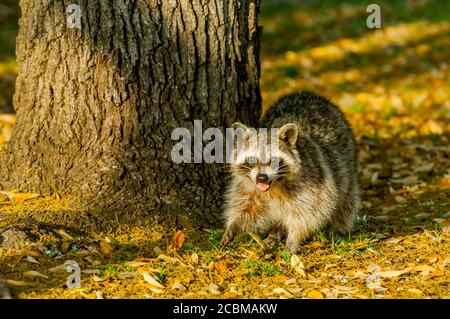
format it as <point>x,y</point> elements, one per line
<point>226,238</point>
<point>291,248</point>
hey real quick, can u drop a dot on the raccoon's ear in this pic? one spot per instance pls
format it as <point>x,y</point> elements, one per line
<point>236,125</point>
<point>288,133</point>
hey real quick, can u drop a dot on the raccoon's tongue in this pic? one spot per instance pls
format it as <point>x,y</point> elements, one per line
<point>263,186</point>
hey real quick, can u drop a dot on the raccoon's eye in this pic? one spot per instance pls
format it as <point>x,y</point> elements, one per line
<point>275,159</point>
<point>251,160</point>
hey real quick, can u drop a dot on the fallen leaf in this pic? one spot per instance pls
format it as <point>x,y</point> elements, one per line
<point>178,286</point>
<point>344,288</point>
<point>32,260</point>
<point>394,240</point>
<point>106,248</point>
<point>21,197</point>
<point>90,271</point>
<point>213,289</point>
<point>126,275</point>
<point>290,282</point>
<point>220,266</point>
<point>423,269</point>
<point>298,266</point>
<point>194,258</point>
<point>392,273</point>
<point>178,239</point>
<point>434,259</point>
<point>98,279</point>
<point>282,291</point>
<point>152,281</point>
<point>158,251</point>
<point>415,291</point>
<point>33,273</point>
<point>17,283</point>
<point>258,240</point>
<point>314,294</point>
<point>425,168</point>
<point>171,260</point>
<point>64,234</point>
<point>136,264</point>
<point>59,268</point>
<point>408,180</point>
<point>438,273</point>
<point>446,262</point>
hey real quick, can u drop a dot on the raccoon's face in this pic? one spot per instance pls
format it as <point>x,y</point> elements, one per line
<point>267,159</point>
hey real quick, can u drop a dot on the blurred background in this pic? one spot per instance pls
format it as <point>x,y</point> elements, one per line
<point>392,82</point>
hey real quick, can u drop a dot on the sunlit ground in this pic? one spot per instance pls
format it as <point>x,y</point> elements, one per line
<point>394,86</point>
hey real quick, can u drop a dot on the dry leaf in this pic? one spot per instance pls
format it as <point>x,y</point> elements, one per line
<point>32,260</point>
<point>290,282</point>
<point>106,248</point>
<point>282,291</point>
<point>158,251</point>
<point>314,294</point>
<point>136,264</point>
<point>298,266</point>
<point>59,268</point>
<point>392,273</point>
<point>98,279</point>
<point>171,260</point>
<point>258,240</point>
<point>408,180</point>
<point>90,271</point>
<point>64,234</point>
<point>425,168</point>
<point>394,240</point>
<point>33,273</point>
<point>178,239</point>
<point>17,283</point>
<point>415,291</point>
<point>213,289</point>
<point>434,259</point>
<point>194,258</point>
<point>446,262</point>
<point>21,197</point>
<point>178,286</point>
<point>344,288</point>
<point>220,266</point>
<point>152,281</point>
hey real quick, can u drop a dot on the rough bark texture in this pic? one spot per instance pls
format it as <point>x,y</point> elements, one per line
<point>96,106</point>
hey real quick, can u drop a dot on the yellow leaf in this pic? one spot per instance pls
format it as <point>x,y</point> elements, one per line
<point>392,273</point>
<point>33,273</point>
<point>282,291</point>
<point>314,294</point>
<point>21,197</point>
<point>415,291</point>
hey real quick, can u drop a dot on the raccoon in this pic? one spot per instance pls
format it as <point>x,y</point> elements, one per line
<point>313,184</point>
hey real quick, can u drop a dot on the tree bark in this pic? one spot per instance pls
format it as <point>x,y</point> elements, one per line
<point>96,106</point>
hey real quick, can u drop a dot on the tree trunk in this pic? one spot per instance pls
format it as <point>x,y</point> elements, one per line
<point>96,106</point>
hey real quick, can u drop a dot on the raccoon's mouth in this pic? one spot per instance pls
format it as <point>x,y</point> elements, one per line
<point>263,186</point>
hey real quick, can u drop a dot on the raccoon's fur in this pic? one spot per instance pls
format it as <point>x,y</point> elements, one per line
<point>314,184</point>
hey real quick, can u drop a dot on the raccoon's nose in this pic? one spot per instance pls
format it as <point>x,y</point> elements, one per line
<point>263,178</point>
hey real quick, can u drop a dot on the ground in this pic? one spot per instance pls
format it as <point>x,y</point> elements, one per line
<point>394,86</point>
